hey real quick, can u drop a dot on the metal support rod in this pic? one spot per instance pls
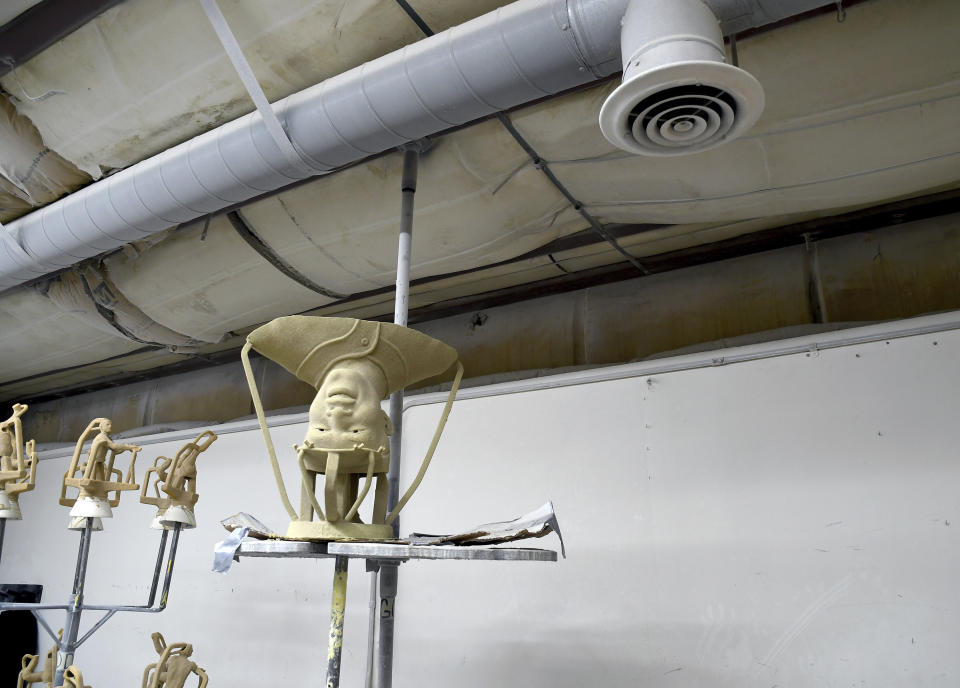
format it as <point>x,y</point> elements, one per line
<point>46,626</point>
<point>338,605</point>
<point>30,606</point>
<point>3,530</point>
<point>148,607</point>
<point>388,596</point>
<point>371,625</point>
<point>157,568</point>
<point>68,643</point>
<point>818,302</point>
<point>408,189</point>
<point>104,619</point>
<point>171,560</point>
<point>388,576</point>
<point>401,307</point>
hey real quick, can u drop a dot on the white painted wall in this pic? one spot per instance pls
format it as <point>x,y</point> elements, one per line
<point>788,521</point>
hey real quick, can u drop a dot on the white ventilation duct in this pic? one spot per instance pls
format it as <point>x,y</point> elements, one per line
<point>678,95</point>
<point>524,51</point>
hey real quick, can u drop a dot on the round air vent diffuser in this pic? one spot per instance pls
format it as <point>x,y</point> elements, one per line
<point>678,96</point>
<point>681,108</point>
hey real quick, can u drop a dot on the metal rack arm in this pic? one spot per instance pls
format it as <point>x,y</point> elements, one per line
<point>168,576</point>
<point>104,619</point>
<point>386,552</point>
<point>68,642</point>
<point>30,606</point>
<point>157,567</point>
<point>45,625</point>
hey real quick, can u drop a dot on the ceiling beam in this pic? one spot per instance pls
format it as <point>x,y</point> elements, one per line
<point>39,27</point>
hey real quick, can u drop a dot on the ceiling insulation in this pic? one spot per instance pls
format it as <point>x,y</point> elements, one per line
<point>38,336</point>
<point>478,203</point>
<point>857,113</point>
<point>146,75</point>
<point>31,175</point>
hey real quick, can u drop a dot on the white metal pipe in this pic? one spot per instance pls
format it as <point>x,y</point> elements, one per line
<point>388,579</point>
<point>518,53</point>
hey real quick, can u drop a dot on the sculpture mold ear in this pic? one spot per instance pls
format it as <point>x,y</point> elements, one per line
<point>389,425</point>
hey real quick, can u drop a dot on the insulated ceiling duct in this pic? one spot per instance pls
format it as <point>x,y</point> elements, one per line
<point>678,95</point>
<point>523,51</point>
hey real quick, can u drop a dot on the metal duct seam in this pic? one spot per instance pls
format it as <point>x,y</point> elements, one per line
<point>500,60</point>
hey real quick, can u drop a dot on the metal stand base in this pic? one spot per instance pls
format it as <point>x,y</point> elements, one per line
<point>338,608</point>
<point>70,640</point>
<point>386,557</point>
<point>385,552</point>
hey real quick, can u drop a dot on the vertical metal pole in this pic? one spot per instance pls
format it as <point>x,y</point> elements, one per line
<point>171,560</point>
<point>157,568</point>
<point>68,643</point>
<point>371,626</point>
<point>3,529</point>
<point>388,574</point>
<point>338,607</point>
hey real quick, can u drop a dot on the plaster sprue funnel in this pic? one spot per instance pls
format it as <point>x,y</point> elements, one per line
<point>91,507</point>
<point>157,522</point>
<point>9,508</point>
<point>678,95</point>
<point>177,513</point>
<point>80,522</point>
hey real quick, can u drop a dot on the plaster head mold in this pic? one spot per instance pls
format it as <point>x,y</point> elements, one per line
<point>29,675</point>
<point>177,479</point>
<point>173,668</point>
<point>98,477</point>
<point>353,365</point>
<point>18,464</point>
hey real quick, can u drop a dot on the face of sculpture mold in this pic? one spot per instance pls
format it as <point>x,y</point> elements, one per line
<point>346,411</point>
<point>106,426</point>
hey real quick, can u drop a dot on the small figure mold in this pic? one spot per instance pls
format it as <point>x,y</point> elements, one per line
<point>177,479</point>
<point>174,667</point>
<point>98,476</point>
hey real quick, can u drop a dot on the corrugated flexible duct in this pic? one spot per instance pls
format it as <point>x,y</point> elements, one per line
<point>521,52</point>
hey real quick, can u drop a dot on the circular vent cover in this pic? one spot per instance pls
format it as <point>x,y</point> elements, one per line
<point>681,108</point>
